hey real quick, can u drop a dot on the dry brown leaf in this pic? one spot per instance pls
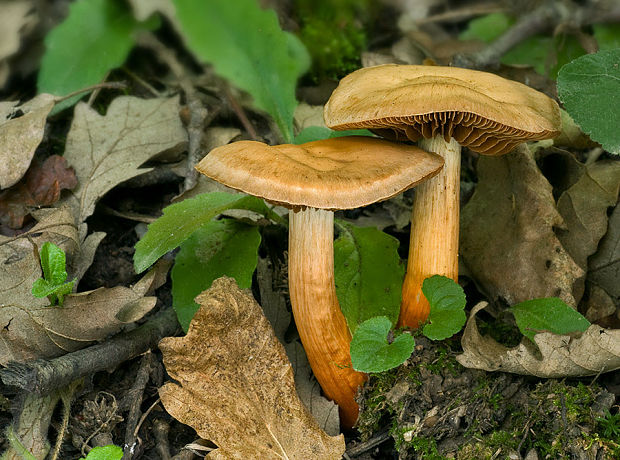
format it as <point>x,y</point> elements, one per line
<point>507,239</point>
<point>29,328</point>
<point>596,350</point>
<point>236,385</point>
<point>15,16</point>
<point>41,186</point>
<point>106,150</point>
<point>584,210</point>
<point>604,266</point>
<point>21,135</point>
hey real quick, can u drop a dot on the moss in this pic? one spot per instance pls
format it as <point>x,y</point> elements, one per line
<point>334,33</point>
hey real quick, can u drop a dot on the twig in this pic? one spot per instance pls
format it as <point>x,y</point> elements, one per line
<point>461,14</point>
<point>107,85</point>
<point>135,395</point>
<point>548,16</point>
<point>42,376</point>
<point>370,444</point>
<point>160,431</point>
<point>197,111</point>
<point>236,107</point>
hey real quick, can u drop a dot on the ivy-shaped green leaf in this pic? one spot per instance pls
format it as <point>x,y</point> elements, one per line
<point>182,219</point>
<point>246,45</point>
<point>368,273</point>
<point>447,301</point>
<point>372,352</point>
<point>110,452</point>
<point>547,315</point>
<point>589,88</point>
<point>218,248</point>
<point>316,133</point>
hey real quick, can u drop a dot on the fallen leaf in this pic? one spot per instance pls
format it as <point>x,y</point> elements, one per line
<point>507,239</point>
<point>15,16</point>
<point>29,328</point>
<point>584,210</point>
<point>144,9</point>
<point>21,135</point>
<point>597,350</point>
<point>106,150</point>
<point>41,186</point>
<point>604,266</point>
<point>235,384</point>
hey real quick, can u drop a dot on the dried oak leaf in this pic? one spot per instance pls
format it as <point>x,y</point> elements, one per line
<point>596,350</point>
<point>604,266</point>
<point>583,207</point>
<point>235,384</point>
<point>16,19</point>
<point>507,239</point>
<point>41,186</point>
<point>29,328</point>
<point>106,150</point>
<point>21,135</point>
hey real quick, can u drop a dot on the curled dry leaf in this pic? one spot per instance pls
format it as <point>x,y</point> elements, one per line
<point>29,328</point>
<point>21,132</point>
<point>507,239</point>
<point>15,18</point>
<point>604,266</point>
<point>41,186</point>
<point>106,150</point>
<point>236,385</point>
<point>596,350</point>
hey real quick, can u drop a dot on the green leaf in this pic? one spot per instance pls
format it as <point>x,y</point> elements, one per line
<point>53,263</point>
<point>607,36</point>
<point>182,219</point>
<point>95,38</point>
<point>589,88</point>
<point>487,28</point>
<point>246,45</point>
<point>316,133</point>
<point>368,274</point>
<point>447,301</point>
<point>547,315</point>
<point>218,248</point>
<point>105,453</point>
<point>370,350</point>
<point>52,285</point>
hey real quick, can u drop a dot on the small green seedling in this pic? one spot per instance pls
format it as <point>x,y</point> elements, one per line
<point>374,348</point>
<point>52,285</point>
<point>110,452</point>
<point>610,425</point>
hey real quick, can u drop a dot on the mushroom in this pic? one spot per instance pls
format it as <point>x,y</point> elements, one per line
<point>445,108</point>
<point>313,180</point>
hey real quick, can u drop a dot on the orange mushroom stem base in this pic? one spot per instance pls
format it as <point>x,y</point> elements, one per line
<point>322,327</point>
<point>434,239</point>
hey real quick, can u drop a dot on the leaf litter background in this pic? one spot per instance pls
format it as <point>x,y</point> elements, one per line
<point>539,222</point>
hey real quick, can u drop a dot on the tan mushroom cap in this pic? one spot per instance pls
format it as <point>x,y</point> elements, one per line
<point>482,111</point>
<point>338,173</point>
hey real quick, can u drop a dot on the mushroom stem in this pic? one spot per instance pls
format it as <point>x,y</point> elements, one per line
<point>321,325</point>
<point>434,239</point>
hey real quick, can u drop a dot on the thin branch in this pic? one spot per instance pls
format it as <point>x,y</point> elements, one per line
<point>43,376</point>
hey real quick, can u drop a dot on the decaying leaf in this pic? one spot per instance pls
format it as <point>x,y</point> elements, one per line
<point>584,210</point>
<point>21,132</point>
<point>106,150</point>
<point>29,328</point>
<point>596,350</point>
<point>605,264</point>
<point>41,186</point>
<point>507,238</point>
<point>236,385</point>
<point>15,16</point>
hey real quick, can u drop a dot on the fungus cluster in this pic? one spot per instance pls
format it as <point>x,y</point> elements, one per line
<point>444,108</point>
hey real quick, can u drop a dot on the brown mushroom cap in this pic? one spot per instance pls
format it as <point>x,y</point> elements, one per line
<point>338,173</point>
<point>482,111</point>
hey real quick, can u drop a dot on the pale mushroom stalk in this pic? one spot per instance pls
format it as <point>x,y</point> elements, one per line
<point>320,323</point>
<point>434,238</point>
